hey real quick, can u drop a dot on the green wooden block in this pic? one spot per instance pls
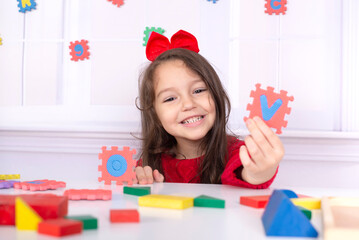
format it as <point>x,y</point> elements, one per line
<point>137,191</point>
<point>89,222</point>
<point>306,212</point>
<point>207,201</point>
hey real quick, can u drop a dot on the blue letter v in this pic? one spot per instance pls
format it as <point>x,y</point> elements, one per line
<point>268,112</point>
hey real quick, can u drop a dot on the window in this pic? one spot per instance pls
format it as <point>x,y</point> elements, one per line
<point>311,52</point>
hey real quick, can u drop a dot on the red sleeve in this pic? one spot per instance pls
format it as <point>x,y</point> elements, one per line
<point>229,175</point>
<point>139,163</point>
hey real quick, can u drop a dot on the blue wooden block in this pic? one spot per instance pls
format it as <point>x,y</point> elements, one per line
<point>289,193</point>
<point>282,218</point>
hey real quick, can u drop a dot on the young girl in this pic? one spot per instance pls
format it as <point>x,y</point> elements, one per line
<point>184,113</point>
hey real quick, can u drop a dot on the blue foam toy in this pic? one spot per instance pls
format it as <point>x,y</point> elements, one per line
<point>282,218</point>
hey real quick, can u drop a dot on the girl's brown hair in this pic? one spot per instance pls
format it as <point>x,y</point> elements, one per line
<point>155,140</point>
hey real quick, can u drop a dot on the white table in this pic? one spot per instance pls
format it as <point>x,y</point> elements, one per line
<point>234,222</point>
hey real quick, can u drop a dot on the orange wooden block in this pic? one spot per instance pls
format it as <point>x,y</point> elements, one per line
<point>60,227</point>
<point>254,201</point>
<point>124,215</point>
<point>259,201</point>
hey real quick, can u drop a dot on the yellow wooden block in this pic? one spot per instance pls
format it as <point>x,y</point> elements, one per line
<point>9,176</point>
<point>165,201</point>
<point>308,203</point>
<point>25,217</point>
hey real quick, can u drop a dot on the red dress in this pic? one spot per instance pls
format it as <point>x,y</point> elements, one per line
<point>186,170</point>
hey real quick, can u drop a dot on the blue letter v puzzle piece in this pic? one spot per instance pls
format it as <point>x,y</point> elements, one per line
<point>268,112</point>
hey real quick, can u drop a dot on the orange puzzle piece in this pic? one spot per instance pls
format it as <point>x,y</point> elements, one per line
<point>117,165</point>
<point>39,185</point>
<point>270,106</point>
<point>88,194</point>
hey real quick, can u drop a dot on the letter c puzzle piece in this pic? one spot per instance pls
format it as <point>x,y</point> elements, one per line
<point>270,106</point>
<point>275,6</point>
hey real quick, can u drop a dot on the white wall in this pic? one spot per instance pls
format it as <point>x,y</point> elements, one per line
<point>55,114</point>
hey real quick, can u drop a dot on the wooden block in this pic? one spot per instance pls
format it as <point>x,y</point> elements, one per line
<point>9,176</point>
<point>254,201</point>
<point>26,217</point>
<point>340,218</point>
<point>308,203</point>
<point>60,227</point>
<point>88,221</point>
<point>48,206</point>
<point>207,201</point>
<point>165,201</point>
<point>124,215</point>
<point>282,218</point>
<point>306,212</point>
<point>137,191</point>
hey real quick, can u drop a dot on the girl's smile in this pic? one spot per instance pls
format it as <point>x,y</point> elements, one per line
<point>183,103</point>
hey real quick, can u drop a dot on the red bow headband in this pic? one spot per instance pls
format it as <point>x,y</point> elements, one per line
<point>158,43</point>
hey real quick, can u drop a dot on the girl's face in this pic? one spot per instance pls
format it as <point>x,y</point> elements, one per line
<point>183,103</point>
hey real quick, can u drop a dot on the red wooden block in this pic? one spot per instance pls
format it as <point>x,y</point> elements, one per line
<point>124,215</point>
<point>258,201</point>
<point>60,227</point>
<point>88,194</point>
<point>48,206</point>
<point>254,201</point>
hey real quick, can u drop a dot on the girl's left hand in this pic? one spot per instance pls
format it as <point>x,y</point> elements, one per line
<point>261,154</point>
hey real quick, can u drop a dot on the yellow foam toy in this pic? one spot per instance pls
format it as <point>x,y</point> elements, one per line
<point>26,217</point>
<point>9,176</point>
<point>165,201</point>
<point>308,203</point>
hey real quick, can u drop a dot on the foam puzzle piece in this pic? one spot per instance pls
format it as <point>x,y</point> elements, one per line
<point>47,206</point>
<point>308,203</point>
<point>9,176</point>
<point>117,165</point>
<point>79,50</point>
<point>306,212</point>
<point>60,227</point>
<point>88,194</point>
<point>26,5</point>
<point>137,191</point>
<point>282,218</point>
<point>88,221</point>
<point>148,32</point>
<point>7,184</point>
<point>26,217</point>
<point>275,6</point>
<point>119,3</point>
<point>165,201</point>
<point>207,201</point>
<point>340,218</point>
<point>124,215</point>
<point>270,106</point>
<point>39,185</point>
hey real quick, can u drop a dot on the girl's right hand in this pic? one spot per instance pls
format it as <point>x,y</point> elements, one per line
<point>145,175</point>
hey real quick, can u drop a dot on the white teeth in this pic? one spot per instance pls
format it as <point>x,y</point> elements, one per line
<point>192,120</point>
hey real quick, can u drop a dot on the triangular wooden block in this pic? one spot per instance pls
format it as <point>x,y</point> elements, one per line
<point>26,217</point>
<point>282,218</point>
